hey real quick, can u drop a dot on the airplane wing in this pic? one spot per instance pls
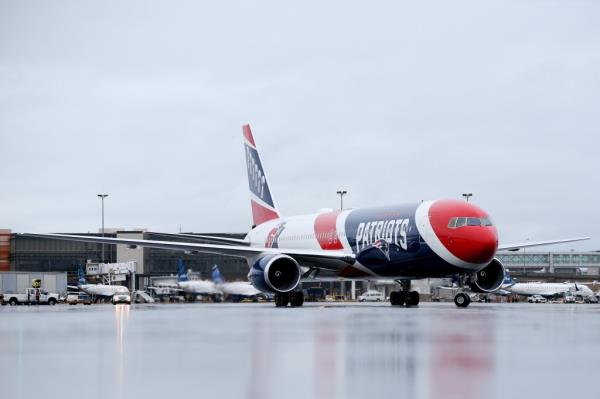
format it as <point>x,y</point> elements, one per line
<point>325,258</point>
<point>527,244</point>
<point>213,239</point>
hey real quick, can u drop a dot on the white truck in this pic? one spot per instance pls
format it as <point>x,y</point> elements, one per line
<point>31,296</point>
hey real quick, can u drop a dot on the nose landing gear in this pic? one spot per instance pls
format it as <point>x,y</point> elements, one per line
<point>462,300</point>
<point>404,297</point>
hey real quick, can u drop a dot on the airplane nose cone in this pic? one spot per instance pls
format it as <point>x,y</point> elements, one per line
<point>475,245</point>
<point>465,231</point>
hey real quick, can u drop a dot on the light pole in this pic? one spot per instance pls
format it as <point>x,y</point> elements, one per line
<point>341,193</point>
<point>102,196</point>
<point>467,196</point>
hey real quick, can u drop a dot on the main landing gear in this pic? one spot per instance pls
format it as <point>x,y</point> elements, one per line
<point>295,299</point>
<point>404,297</point>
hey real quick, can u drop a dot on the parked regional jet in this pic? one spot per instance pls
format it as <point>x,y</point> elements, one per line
<point>437,238</point>
<point>235,290</point>
<point>99,290</point>
<point>547,290</point>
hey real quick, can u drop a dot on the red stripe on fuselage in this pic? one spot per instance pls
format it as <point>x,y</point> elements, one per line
<point>326,232</point>
<point>248,134</point>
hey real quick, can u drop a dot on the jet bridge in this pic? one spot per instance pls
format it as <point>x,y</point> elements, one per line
<point>113,272</point>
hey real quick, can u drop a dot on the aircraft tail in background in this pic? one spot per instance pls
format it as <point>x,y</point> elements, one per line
<point>216,275</point>
<point>508,281</point>
<point>81,275</point>
<point>182,274</point>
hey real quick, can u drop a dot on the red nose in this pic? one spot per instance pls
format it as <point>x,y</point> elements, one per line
<point>465,230</point>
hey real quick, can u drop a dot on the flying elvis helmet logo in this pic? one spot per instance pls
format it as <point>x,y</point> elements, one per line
<point>273,236</point>
<point>256,176</point>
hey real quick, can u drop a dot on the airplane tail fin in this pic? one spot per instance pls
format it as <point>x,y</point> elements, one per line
<point>81,275</point>
<point>507,279</point>
<point>181,271</point>
<point>263,207</point>
<point>216,275</point>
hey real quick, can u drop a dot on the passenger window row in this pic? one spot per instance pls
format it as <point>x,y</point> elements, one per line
<point>460,222</point>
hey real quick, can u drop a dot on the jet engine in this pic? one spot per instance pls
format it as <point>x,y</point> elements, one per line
<point>488,279</point>
<point>275,273</point>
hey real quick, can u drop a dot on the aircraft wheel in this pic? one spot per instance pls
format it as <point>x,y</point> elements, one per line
<point>394,298</point>
<point>462,300</point>
<point>397,298</point>
<point>282,299</point>
<point>412,298</point>
<point>297,299</point>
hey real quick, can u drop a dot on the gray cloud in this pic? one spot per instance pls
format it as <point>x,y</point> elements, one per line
<point>394,102</point>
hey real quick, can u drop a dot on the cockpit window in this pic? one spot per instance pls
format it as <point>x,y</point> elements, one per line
<point>486,222</point>
<point>473,222</point>
<point>460,222</point>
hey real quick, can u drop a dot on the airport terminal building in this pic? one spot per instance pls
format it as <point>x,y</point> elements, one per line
<point>39,255</point>
<point>32,254</point>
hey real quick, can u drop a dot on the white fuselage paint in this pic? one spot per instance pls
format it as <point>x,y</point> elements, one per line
<point>103,289</point>
<point>299,232</point>
<point>198,287</point>
<point>549,289</point>
<point>241,288</point>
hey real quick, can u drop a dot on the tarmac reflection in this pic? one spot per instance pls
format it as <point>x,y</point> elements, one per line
<point>339,351</point>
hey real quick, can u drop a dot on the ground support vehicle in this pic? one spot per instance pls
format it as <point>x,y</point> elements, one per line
<point>31,296</point>
<point>121,298</point>
<point>371,296</point>
<point>536,299</point>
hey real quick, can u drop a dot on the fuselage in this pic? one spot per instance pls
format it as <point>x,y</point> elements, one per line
<point>428,239</point>
<point>103,289</point>
<point>549,289</point>
<point>200,287</point>
<point>238,288</point>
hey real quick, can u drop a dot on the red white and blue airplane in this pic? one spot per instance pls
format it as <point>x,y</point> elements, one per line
<point>439,238</point>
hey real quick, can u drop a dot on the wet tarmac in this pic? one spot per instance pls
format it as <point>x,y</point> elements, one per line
<point>335,351</point>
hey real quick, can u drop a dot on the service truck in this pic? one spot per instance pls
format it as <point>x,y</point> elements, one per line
<point>31,296</point>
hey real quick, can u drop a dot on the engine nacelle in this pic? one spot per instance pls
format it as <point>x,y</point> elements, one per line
<point>488,279</point>
<point>275,273</point>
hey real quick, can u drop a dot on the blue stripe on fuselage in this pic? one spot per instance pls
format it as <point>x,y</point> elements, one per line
<point>386,240</point>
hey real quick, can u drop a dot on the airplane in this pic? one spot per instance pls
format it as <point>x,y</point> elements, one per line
<point>184,285</point>
<point>429,239</point>
<point>235,290</point>
<point>98,290</point>
<point>547,290</point>
<point>193,287</point>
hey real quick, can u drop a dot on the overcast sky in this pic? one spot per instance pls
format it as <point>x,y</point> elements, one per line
<point>393,101</point>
